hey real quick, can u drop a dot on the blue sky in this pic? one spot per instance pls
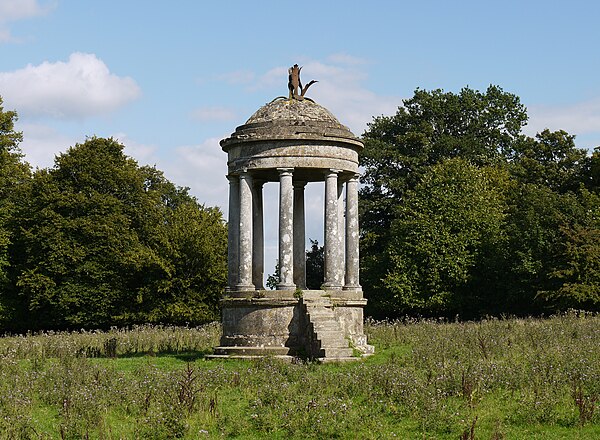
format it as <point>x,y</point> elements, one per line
<point>171,78</point>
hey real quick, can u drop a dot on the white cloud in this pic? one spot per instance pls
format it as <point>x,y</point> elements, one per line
<point>142,153</point>
<point>5,36</point>
<point>13,10</point>
<point>42,143</point>
<point>276,77</point>
<point>205,114</point>
<point>341,90</point>
<point>202,168</point>
<point>83,86</point>
<point>582,118</point>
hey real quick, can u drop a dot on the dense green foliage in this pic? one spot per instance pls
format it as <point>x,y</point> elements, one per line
<point>500,379</point>
<point>98,240</point>
<point>14,175</point>
<point>315,265</point>
<point>461,213</point>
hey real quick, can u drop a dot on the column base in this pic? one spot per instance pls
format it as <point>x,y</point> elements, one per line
<point>286,286</point>
<point>244,288</point>
<point>352,287</point>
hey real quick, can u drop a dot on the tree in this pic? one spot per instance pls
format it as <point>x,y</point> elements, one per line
<point>550,160</point>
<point>14,174</point>
<point>463,213</point>
<point>196,250</point>
<point>431,127</point>
<point>106,242</point>
<point>444,235</point>
<point>274,278</point>
<point>592,171</point>
<point>315,265</point>
<point>578,275</point>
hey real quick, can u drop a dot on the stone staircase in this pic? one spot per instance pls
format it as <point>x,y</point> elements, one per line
<point>326,338</point>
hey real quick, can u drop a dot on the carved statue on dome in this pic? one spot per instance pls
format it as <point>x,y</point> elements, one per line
<point>295,85</point>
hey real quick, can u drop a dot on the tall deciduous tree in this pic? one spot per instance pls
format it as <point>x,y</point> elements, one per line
<point>446,233</point>
<point>107,242</point>
<point>550,160</point>
<point>431,127</point>
<point>461,212</point>
<point>14,174</point>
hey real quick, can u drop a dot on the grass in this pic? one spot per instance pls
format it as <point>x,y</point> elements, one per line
<point>495,379</point>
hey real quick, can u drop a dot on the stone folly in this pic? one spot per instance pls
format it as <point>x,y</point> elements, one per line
<point>293,142</point>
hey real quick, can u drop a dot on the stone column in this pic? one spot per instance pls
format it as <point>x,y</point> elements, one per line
<point>286,230</point>
<point>341,246</point>
<point>245,239</point>
<point>299,236</point>
<point>258,245</point>
<point>233,232</point>
<point>352,235</point>
<point>332,263</point>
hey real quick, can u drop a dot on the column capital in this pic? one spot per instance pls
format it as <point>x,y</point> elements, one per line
<point>331,171</point>
<point>285,171</point>
<point>232,177</point>
<point>354,177</point>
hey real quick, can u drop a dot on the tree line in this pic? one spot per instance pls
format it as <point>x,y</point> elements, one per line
<point>98,240</point>
<point>462,213</point>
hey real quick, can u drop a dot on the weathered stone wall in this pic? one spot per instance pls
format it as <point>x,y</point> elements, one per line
<point>263,322</point>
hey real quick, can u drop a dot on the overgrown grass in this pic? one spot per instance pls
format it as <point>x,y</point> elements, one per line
<point>495,379</point>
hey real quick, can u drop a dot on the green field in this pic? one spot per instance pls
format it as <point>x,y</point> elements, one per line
<point>495,379</point>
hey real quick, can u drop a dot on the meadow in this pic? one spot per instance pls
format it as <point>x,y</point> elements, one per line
<point>492,379</point>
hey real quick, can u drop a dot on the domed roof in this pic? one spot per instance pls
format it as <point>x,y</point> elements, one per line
<point>290,119</point>
<point>292,110</point>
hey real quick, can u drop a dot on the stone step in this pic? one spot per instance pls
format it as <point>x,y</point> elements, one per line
<point>328,338</point>
<point>319,308</point>
<point>325,326</point>
<point>332,335</point>
<point>321,317</point>
<point>321,314</point>
<point>312,295</point>
<point>335,352</point>
<point>330,343</point>
<point>318,302</point>
<point>311,304</point>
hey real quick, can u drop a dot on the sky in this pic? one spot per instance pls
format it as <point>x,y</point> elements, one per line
<point>169,79</point>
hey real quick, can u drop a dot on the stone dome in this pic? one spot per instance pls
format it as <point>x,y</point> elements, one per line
<point>292,133</point>
<point>291,119</point>
<point>293,110</point>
